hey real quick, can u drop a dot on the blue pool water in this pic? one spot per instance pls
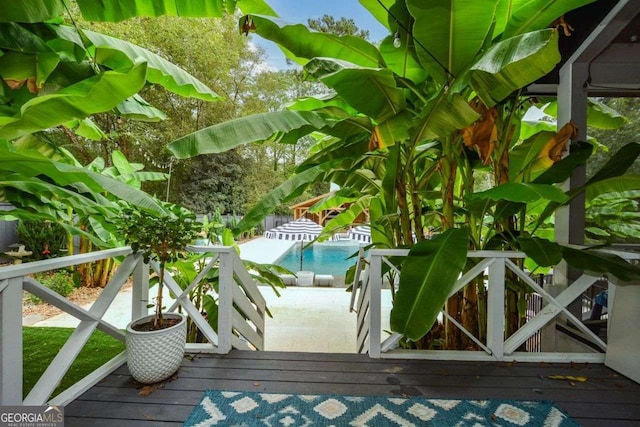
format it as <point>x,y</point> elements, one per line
<point>321,258</point>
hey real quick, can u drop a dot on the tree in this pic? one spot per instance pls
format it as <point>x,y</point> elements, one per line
<point>614,138</point>
<point>217,183</point>
<point>341,27</point>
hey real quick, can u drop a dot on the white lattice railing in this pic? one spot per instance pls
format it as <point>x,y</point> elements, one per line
<point>496,346</point>
<point>237,290</point>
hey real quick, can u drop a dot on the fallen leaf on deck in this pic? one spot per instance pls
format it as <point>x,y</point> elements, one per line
<point>148,389</point>
<point>567,377</point>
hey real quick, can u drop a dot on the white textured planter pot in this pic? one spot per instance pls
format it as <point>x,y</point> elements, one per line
<point>156,355</point>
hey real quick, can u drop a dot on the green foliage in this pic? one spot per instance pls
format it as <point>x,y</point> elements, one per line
<point>614,217</point>
<point>60,281</point>
<point>118,10</point>
<point>629,108</point>
<point>429,273</point>
<point>339,27</point>
<point>162,238</point>
<point>184,272</point>
<point>45,239</point>
<point>215,183</point>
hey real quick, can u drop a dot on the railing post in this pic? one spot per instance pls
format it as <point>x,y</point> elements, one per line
<point>140,290</point>
<point>495,308</point>
<point>375,307</point>
<point>11,341</point>
<point>225,303</point>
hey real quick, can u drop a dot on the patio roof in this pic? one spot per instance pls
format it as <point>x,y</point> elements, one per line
<point>301,210</point>
<point>606,37</point>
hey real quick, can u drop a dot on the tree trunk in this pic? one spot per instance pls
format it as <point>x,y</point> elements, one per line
<point>448,169</point>
<point>470,313</point>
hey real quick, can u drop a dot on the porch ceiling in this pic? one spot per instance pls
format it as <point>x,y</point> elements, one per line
<point>607,38</point>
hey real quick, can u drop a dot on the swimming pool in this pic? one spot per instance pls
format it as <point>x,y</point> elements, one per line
<point>321,258</point>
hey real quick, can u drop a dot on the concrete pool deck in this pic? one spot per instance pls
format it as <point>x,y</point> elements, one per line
<point>308,319</point>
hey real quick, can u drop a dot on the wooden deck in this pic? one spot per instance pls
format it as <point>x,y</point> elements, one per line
<point>605,399</point>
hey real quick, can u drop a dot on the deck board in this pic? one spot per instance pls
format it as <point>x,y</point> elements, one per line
<point>606,398</point>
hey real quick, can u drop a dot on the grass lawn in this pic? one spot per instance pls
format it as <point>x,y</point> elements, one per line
<point>42,344</point>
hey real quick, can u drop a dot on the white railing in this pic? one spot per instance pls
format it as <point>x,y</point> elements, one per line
<point>496,346</point>
<point>237,291</point>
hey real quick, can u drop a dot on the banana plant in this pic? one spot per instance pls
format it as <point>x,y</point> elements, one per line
<point>407,127</point>
<point>45,189</point>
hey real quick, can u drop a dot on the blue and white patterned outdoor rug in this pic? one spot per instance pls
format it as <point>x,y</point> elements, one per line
<point>232,408</point>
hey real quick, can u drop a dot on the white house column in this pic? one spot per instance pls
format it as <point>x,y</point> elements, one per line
<point>572,106</point>
<point>575,76</point>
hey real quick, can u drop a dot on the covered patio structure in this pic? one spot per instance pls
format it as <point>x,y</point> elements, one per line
<point>302,210</point>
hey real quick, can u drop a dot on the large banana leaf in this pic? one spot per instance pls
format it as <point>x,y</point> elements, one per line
<point>30,164</point>
<point>534,15</point>
<point>378,9</point>
<point>352,148</point>
<point>546,253</point>
<point>30,11</point>
<point>522,157</point>
<point>600,262</point>
<point>350,215</point>
<point>87,129</point>
<point>428,276</point>
<point>304,43</point>
<point>504,10</point>
<point>94,95</point>
<point>321,102</point>
<point>522,193</point>
<point>118,10</point>
<point>138,109</point>
<point>599,115</point>
<point>259,127</point>
<point>616,184</point>
<point>618,163</point>
<point>286,191</point>
<point>384,99</point>
<point>513,64</point>
<point>335,199</point>
<point>19,67</point>
<point>117,54</point>
<point>394,129</point>
<point>543,252</point>
<point>47,193</point>
<point>17,38</point>
<point>450,33</point>
<point>38,142</point>
<point>443,116</point>
<point>403,61</point>
<point>606,180</point>
<point>561,171</point>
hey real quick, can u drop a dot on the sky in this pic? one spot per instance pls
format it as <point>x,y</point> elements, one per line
<point>299,11</point>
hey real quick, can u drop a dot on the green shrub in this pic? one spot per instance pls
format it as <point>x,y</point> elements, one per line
<point>43,238</point>
<point>60,281</point>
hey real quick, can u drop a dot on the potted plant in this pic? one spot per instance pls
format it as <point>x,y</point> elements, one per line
<point>155,343</point>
